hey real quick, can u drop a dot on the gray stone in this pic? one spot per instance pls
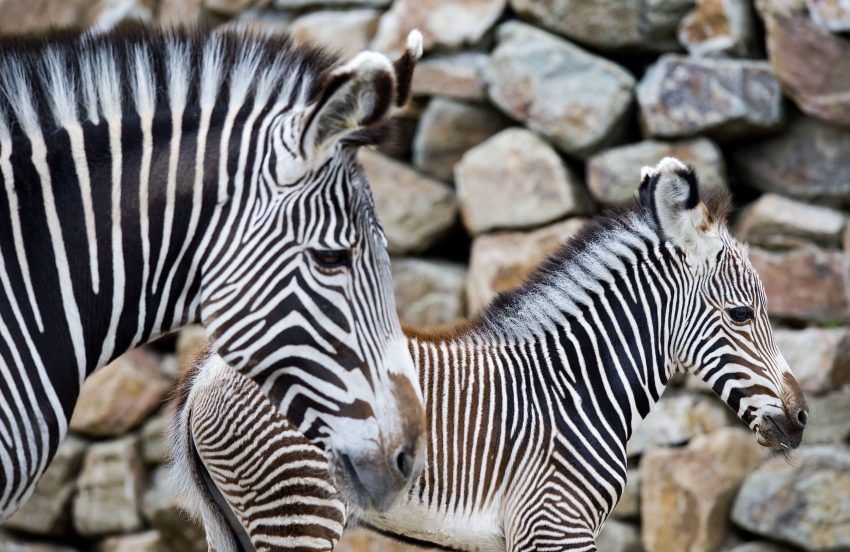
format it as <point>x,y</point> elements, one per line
<point>109,489</point>
<point>453,75</point>
<point>444,24</point>
<point>629,506</point>
<point>46,512</point>
<point>613,175</point>
<point>415,211</point>
<point>805,284</point>
<point>501,261</point>
<point>21,16</point>
<point>153,442</point>
<point>722,98</point>
<point>617,536</point>
<point>448,129</point>
<point>149,541</point>
<point>120,395</point>
<point>164,512</point>
<point>809,160</point>
<point>609,24</point>
<point>515,180</point>
<point>833,15</point>
<point>774,221</point>
<point>805,503</point>
<point>829,418</point>
<point>233,7</point>
<point>427,292</point>
<point>819,357</point>
<point>719,28</point>
<point>300,4</point>
<point>581,102</point>
<point>346,31</point>
<point>676,419</point>
<point>108,14</point>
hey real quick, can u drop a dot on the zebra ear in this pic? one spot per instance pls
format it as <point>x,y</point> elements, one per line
<point>671,191</point>
<point>359,94</point>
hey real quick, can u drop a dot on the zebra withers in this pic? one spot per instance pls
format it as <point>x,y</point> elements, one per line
<point>529,405</point>
<point>151,179</point>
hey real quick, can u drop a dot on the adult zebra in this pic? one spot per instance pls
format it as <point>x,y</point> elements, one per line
<point>530,405</point>
<point>154,179</point>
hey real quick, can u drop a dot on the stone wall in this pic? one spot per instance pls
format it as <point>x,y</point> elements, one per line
<point>529,117</point>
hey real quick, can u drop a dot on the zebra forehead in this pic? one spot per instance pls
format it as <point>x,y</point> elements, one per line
<point>68,75</point>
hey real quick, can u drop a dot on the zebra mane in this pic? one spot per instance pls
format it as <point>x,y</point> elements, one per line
<point>53,81</point>
<point>566,279</point>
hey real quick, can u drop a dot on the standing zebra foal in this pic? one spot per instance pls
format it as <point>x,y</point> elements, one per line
<point>529,406</point>
<point>150,180</point>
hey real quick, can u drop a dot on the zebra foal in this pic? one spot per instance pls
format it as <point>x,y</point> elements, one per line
<point>153,179</point>
<point>529,406</point>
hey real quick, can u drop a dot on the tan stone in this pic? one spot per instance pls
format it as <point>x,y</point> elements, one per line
<point>819,357</point>
<point>805,284</point>
<point>361,540</point>
<point>719,27</point>
<point>179,12</point>
<point>515,180</point>
<point>687,493</point>
<point>829,418</point>
<point>774,221</point>
<point>347,32</point>
<point>415,211</point>
<point>428,292</point>
<point>499,262</point>
<point>629,506</point>
<point>232,7</point>
<point>38,16</point>
<point>165,512</point>
<point>192,342</point>
<point>453,75</point>
<point>108,14</point>
<point>153,442</point>
<point>120,395</point>
<point>833,15</point>
<point>149,541</point>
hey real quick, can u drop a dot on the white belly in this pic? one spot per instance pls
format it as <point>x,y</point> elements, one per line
<point>478,531</point>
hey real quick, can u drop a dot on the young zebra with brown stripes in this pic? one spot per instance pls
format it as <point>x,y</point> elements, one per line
<point>153,179</point>
<point>530,405</point>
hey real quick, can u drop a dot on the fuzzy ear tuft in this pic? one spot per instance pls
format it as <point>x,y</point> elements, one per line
<point>671,190</point>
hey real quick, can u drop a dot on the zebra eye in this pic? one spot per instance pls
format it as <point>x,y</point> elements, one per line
<point>329,259</point>
<point>740,314</point>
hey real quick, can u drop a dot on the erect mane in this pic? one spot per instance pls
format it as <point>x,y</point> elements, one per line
<point>44,80</point>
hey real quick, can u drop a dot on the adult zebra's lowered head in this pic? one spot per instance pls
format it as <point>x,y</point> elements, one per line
<point>152,179</point>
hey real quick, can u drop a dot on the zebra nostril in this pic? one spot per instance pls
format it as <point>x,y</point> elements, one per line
<point>802,417</point>
<point>404,462</point>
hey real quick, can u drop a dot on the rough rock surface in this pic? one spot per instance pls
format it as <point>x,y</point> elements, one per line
<point>501,261</point>
<point>153,441</point>
<point>805,503</point>
<point>576,99</point>
<point>810,62</point>
<point>515,180</point>
<point>298,4</point>
<point>629,505</point>
<point>829,418</point>
<point>415,211</point>
<point>609,24</point>
<point>443,23</point>
<point>453,75</point>
<point>774,221</point>
<point>805,284</point>
<point>119,396</point>
<point>149,541</point>
<point>162,510</point>
<point>819,357</point>
<point>46,511</point>
<point>19,16</point>
<point>719,28</point>
<point>675,420</point>
<point>833,15</point>
<point>613,175</point>
<point>809,160</point>
<point>429,292</point>
<point>687,493</point>
<point>617,536</point>
<point>448,129</point>
<point>347,32</point>
<point>723,98</point>
<point>109,489</point>
<point>231,7</point>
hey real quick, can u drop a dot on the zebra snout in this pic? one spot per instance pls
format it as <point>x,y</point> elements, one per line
<point>404,462</point>
<point>374,482</point>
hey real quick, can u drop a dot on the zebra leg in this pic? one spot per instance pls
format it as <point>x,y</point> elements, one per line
<point>260,483</point>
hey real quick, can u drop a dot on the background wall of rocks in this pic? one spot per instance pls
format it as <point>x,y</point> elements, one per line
<point>529,117</point>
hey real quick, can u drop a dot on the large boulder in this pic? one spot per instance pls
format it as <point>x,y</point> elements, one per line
<point>153,440</point>
<point>148,541</point>
<point>809,160</point>
<point>21,17</point>
<point>806,284</point>
<point>501,261</point>
<point>774,221</point>
<point>429,292</point>
<point>456,75</point>
<point>164,512</point>
<point>805,502</point>
<point>345,31</point>
<point>832,15</point>
<point>579,101</point>
<point>448,129</point>
<point>819,357</point>
<point>119,396</point>
<point>629,506</point>
<point>109,489</point>
<point>616,536</point>
<point>444,24</point>
<point>722,98</point>
<point>687,493</point>
<point>515,180</point>
<point>613,175</point>
<point>720,28</point>
<point>829,418</point>
<point>415,210</point>
<point>609,24</point>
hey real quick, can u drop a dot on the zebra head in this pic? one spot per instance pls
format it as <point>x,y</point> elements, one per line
<point>724,335</point>
<point>303,304</point>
